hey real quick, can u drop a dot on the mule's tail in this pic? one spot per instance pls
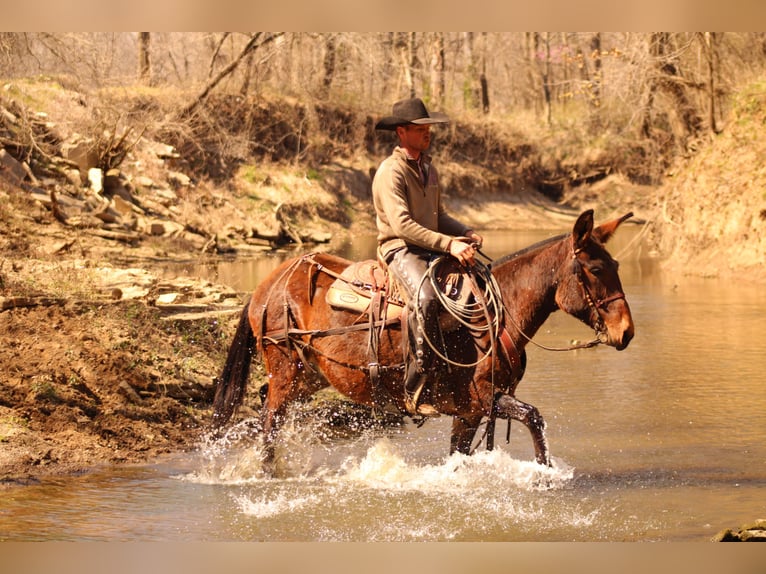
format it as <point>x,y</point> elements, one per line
<point>230,390</point>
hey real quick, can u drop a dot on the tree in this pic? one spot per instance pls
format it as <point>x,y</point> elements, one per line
<point>253,44</point>
<point>542,57</point>
<point>437,68</point>
<point>144,62</point>
<point>330,56</point>
<point>597,79</point>
<point>710,41</point>
<point>668,78</point>
<point>405,47</point>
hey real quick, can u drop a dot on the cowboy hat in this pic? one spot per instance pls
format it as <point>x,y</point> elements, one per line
<point>410,111</point>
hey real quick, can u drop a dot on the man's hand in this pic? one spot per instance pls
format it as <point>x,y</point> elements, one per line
<point>475,238</point>
<point>462,250</point>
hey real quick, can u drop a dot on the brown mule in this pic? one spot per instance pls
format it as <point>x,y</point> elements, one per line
<point>306,344</point>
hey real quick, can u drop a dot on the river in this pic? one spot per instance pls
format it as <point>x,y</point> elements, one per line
<point>661,442</point>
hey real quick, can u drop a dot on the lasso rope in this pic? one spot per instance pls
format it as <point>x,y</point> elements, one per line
<point>483,315</point>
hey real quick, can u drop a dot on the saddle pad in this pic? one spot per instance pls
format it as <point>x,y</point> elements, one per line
<point>353,289</point>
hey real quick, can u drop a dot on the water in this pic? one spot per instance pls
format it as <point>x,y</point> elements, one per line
<point>661,442</point>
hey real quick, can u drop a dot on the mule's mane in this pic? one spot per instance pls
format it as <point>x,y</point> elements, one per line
<point>526,250</point>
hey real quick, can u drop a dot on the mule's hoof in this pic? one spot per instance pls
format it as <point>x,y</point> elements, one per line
<point>426,410</point>
<point>388,409</point>
<point>414,409</point>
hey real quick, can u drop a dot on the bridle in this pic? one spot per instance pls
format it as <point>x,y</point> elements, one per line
<point>596,305</point>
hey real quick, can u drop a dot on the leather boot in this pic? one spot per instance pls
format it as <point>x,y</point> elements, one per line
<point>416,376</point>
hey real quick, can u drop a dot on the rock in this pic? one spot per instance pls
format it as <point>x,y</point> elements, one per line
<point>753,536</point>
<point>96,179</point>
<point>143,181</point>
<point>108,215</point>
<point>755,532</point>
<point>112,180</point>
<point>154,228</point>
<point>314,236</point>
<point>74,177</point>
<point>81,152</point>
<point>60,246</point>
<point>121,206</point>
<point>130,393</point>
<point>178,179</point>
<point>161,150</point>
<point>11,168</point>
<point>167,298</point>
<point>166,196</point>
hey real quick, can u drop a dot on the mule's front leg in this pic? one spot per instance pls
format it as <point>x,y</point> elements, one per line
<point>463,431</point>
<point>509,407</point>
<point>270,421</point>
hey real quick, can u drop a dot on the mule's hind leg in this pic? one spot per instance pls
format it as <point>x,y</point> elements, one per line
<point>286,384</point>
<point>463,431</point>
<point>509,407</point>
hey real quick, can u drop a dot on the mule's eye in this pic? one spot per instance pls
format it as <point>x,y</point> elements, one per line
<point>596,270</point>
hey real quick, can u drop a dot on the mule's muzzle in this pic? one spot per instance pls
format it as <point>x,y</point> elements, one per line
<point>620,340</point>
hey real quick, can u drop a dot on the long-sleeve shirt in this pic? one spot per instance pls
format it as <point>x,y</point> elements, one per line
<point>408,207</point>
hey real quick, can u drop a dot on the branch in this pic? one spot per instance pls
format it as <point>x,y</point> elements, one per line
<point>216,52</point>
<point>251,46</point>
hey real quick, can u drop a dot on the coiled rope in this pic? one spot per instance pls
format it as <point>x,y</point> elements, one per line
<point>482,315</point>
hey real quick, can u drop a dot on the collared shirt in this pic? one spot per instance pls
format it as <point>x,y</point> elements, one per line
<point>407,197</point>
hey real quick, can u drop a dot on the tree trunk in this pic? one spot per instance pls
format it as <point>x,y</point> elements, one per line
<point>144,61</point>
<point>545,70</point>
<point>671,81</point>
<point>566,72</point>
<point>710,42</point>
<point>249,65</point>
<point>405,46</point>
<point>483,76</point>
<point>330,55</point>
<point>597,79</point>
<point>531,96</point>
<point>438,69</point>
<point>216,54</point>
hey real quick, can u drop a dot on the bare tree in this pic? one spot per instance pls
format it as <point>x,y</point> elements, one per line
<point>469,91</point>
<point>710,41</point>
<point>483,76</point>
<point>405,47</point>
<point>597,78</point>
<point>144,62</point>
<point>668,78</point>
<point>216,53</point>
<point>253,44</point>
<point>437,64</point>
<point>330,56</point>
<point>542,51</point>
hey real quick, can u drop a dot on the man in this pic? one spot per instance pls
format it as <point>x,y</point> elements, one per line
<point>413,229</point>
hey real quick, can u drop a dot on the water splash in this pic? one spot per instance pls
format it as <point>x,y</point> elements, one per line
<point>383,467</point>
<point>383,490</point>
<point>281,504</point>
<point>236,457</point>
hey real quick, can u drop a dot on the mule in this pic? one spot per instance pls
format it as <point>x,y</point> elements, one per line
<point>307,344</point>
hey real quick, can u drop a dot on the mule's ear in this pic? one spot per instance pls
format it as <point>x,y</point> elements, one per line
<point>582,229</point>
<point>605,231</point>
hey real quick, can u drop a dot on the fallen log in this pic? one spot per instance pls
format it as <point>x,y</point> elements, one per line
<point>125,237</point>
